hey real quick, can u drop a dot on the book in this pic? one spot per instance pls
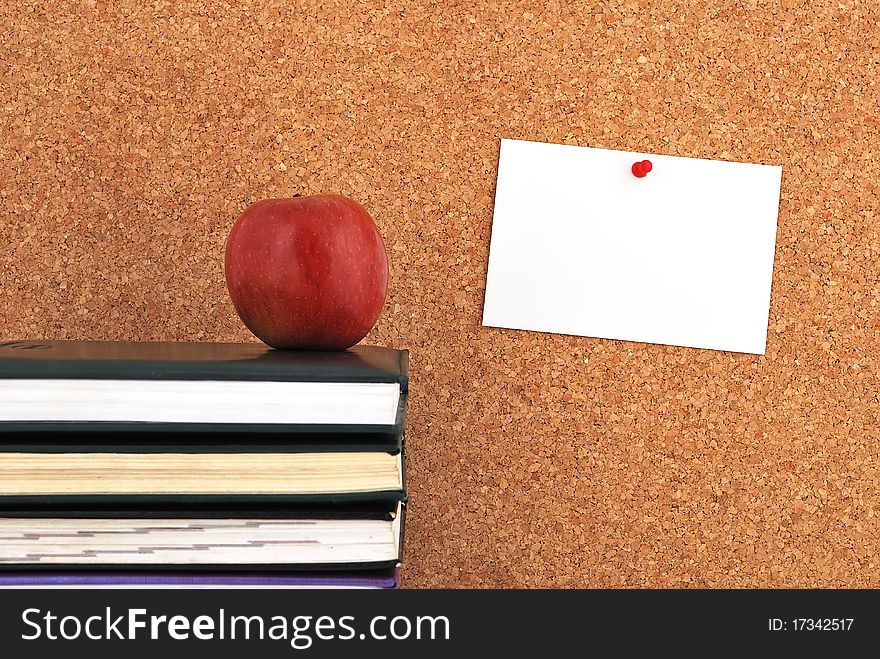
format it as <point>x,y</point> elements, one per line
<point>241,538</point>
<point>381,578</point>
<point>99,386</point>
<point>166,467</point>
<point>199,474</point>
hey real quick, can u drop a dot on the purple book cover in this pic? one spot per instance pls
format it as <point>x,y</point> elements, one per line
<point>355,579</point>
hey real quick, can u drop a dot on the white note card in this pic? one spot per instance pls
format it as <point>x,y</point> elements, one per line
<point>682,256</point>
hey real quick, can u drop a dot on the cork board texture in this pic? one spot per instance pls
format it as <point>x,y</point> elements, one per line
<point>132,134</point>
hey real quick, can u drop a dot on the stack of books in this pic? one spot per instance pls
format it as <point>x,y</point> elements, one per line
<point>200,464</point>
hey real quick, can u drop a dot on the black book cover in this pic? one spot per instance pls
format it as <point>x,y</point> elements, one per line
<point>150,441</point>
<point>112,508</point>
<point>155,360</point>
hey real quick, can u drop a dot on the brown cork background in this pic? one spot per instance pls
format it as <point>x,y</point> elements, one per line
<point>132,134</point>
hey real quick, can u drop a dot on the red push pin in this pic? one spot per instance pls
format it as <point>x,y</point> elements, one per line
<point>639,169</point>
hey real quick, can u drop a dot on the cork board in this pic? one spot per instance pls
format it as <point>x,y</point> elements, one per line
<point>133,134</point>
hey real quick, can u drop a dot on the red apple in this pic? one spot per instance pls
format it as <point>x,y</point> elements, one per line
<point>307,272</point>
